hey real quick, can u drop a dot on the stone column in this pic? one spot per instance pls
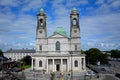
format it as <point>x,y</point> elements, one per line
<point>68,65</point>
<point>47,64</point>
<point>84,64</point>
<point>53,65</point>
<point>32,64</point>
<point>61,65</point>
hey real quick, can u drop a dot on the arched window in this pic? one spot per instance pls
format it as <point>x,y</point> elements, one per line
<point>40,47</point>
<point>76,63</point>
<point>57,45</point>
<point>75,47</point>
<point>41,22</point>
<point>74,21</point>
<point>40,63</point>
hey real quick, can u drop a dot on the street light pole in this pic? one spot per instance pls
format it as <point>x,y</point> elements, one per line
<point>2,68</point>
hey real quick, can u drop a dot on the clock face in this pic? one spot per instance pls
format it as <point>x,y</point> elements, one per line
<point>75,31</point>
<point>40,31</point>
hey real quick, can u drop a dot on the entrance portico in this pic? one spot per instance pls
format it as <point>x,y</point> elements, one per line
<point>57,64</point>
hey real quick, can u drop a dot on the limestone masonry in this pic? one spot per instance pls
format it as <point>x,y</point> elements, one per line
<point>58,52</point>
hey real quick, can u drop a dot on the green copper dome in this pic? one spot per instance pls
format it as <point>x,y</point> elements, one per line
<point>60,30</point>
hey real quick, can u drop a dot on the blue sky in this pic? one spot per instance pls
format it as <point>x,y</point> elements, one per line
<point>99,22</point>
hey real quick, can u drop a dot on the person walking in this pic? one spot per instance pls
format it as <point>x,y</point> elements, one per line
<point>68,77</point>
<point>62,78</point>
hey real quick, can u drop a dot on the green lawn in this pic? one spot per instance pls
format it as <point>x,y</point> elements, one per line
<point>26,66</point>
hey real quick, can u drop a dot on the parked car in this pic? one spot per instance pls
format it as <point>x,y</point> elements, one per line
<point>22,68</point>
<point>15,69</point>
<point>90,73</point>
<point>117,75</point>
<point>103,69</point>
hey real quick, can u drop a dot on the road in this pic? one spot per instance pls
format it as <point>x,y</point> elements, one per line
<point>108,72</point>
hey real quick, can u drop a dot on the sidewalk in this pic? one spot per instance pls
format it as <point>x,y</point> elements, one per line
<point>31,75</point>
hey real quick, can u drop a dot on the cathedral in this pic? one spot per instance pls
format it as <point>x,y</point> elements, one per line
<point>58,52</point>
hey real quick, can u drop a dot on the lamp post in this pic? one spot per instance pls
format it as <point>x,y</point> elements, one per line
<point>2,67</point>
<point>71,65</point>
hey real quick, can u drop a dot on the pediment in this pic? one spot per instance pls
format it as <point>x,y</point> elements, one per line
<point>58,36</point>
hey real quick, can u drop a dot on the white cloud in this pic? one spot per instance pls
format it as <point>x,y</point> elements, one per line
<point>76,3</point>
<point>100,29</point>
<point>34,5</point>
<point>91,26</point>
<point>101,46</point>
<point>107,6</point>
<point>101,23</point>
<point>15,31</point>
<point>115,4</point>
<point>100,2</point>
<point>11,3</point>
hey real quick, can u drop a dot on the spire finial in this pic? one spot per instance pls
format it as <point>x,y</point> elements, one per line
<point>41,10</point>
<point>74,8</point>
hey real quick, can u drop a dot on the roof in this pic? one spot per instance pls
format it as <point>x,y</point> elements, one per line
<point>60,30</point>
<point>74,8</point>
<point>64,36</point>
<point>3,58</point>
<point>21,51</point>
<point>41,10</point>
<point>74,11</point>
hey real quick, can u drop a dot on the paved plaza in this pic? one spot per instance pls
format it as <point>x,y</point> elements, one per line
<point>37,75</point>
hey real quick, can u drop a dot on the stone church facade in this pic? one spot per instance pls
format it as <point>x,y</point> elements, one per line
<point>58,52</point>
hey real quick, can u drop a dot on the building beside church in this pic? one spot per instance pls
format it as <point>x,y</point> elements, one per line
<point>58,52</point>
<point>16,54</point>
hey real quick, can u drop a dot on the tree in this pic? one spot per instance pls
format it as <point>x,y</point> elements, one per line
<point>104,59</point>
<point>1,52</point>
<point>93,55</point>
<point>27,60</point>
<point>115,54</point>
<point>82,52</point>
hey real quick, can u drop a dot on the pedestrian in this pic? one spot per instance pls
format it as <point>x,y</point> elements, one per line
<point>98,76</point>
<point>68,77</point>
<point>62,78</point>
<point>74,79</point>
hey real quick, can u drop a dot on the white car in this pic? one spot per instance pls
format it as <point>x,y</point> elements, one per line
<point>90,73</point>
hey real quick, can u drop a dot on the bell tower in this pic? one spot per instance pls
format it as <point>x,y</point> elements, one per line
<point>74,24</point>
<point>41,32</point>
<point>74,30</point>
<point>41,24</point>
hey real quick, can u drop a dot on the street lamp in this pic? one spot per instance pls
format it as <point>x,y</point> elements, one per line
<point>71,65</point>
<point>2,61</point>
